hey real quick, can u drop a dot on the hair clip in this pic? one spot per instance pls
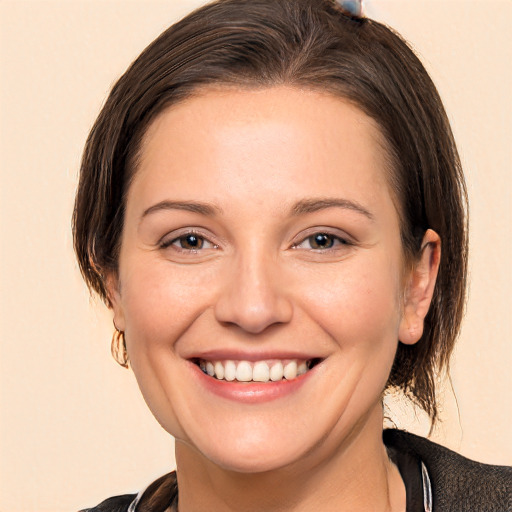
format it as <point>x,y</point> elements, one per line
<point>352,8</point>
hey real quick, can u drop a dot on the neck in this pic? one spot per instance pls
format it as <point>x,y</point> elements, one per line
<point>357,475</point>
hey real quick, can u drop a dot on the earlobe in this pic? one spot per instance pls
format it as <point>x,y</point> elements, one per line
<point>114,296</point>
<point>420,289</point>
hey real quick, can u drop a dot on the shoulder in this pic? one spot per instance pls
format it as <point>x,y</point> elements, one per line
<point>458,483</point>
<point>155,498</point>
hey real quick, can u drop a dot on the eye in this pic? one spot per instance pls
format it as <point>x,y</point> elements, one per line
<point>189,242</point>
<point>321,241</point>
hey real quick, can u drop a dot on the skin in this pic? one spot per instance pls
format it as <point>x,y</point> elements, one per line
<point>258,284</point>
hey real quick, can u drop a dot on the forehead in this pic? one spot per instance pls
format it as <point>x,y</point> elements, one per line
<point>269,138</point>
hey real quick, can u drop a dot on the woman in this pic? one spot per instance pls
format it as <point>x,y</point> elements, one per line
<point>272,204</point>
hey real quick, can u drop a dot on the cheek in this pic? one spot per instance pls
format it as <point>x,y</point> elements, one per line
<point>358,303</point>
<point>160,301</point>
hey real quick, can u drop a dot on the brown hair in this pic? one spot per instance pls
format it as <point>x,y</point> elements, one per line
<point>309,44</point>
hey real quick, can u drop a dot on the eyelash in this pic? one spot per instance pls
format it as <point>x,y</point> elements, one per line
<point>168,243</point>
<point>335,241</point>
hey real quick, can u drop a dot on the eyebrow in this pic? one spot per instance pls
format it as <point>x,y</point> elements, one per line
<point>315,205</point>
<point>300,208</point>
<point>189,206</point>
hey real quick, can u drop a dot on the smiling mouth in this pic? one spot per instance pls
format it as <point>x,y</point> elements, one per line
<point>257,371</point>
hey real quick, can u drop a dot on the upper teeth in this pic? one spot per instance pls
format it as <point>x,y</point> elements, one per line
<point>260,371</point>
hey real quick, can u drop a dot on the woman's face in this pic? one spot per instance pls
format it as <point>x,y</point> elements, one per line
<point>261,237</point>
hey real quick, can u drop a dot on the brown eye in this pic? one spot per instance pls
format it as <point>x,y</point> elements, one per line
<point>190,242</point>
<point>321,241</point>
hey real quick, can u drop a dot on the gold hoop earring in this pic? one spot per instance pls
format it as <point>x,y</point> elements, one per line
<point>118,348</point>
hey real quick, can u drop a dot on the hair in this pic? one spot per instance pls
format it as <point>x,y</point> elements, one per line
<point>309,44</point>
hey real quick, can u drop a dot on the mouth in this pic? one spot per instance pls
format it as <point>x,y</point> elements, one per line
<point>274,370</point>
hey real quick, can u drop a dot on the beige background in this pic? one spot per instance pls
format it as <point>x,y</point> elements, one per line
<point>73,427</point>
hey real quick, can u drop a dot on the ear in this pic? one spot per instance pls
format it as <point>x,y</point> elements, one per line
<point>114,296</point>
<point>420,288</point>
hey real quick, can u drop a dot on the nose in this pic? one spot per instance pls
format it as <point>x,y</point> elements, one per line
<point>253,298</point>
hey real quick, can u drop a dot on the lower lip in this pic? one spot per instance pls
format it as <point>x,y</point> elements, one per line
<point>250,392</point>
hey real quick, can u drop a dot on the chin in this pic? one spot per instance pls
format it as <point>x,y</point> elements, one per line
<point>249,461</point>
<point>258,447</point>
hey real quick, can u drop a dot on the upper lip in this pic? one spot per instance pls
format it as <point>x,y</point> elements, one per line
<point>252,356</point>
